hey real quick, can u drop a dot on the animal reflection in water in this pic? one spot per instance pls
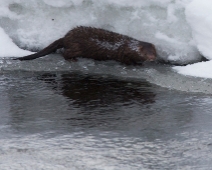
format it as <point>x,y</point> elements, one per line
<point>93,91</point>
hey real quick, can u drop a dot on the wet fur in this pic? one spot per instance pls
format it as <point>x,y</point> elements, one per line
<point>99,44</point>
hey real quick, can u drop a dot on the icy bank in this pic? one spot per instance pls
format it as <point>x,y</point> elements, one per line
<point>34,24</point>
<point>170,25</point>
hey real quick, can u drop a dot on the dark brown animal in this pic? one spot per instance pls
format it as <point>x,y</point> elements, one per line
<point>99,44</point>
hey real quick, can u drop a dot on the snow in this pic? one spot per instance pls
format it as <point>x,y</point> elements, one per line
<point>201,69</point>
<point>199,16</point>
<point>8,48</point>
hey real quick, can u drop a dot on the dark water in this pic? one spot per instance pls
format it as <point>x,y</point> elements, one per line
<point>71,120</point>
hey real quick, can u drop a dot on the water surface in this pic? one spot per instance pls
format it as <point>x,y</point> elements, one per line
<point>59,115</point>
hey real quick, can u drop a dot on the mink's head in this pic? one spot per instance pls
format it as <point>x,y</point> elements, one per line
<point>148,52</point>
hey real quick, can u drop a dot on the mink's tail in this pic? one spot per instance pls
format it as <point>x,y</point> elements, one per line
<point>49,49</point>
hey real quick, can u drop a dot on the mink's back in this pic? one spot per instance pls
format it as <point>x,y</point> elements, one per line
<point>100,44</point>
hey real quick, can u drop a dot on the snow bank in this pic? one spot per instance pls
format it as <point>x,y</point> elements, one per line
<point>8,48</point>
<point>202,69</point>
<point>34,24</point>
<point>199,16</point>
